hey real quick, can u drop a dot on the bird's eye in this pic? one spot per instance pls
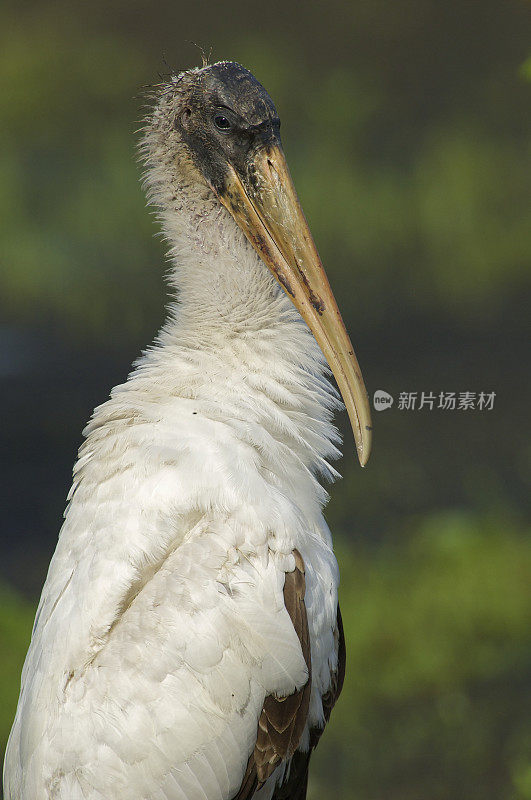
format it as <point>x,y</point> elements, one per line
<point>222,123</point>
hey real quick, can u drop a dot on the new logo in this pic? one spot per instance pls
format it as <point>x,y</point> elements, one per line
<point>381,400</point>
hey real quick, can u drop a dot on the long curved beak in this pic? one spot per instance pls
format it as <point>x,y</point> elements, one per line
<point>268,211</point>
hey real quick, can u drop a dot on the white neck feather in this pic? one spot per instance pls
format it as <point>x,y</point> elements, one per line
<point>233,342</point>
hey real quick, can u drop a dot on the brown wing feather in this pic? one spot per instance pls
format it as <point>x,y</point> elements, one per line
<point>337,678</point>
<point>282,719</point>
<point>296,785</point>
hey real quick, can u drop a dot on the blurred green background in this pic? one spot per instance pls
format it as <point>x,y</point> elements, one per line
<point>406,126</point>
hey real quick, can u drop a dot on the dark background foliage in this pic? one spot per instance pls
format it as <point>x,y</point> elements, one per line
<point>406,126</point>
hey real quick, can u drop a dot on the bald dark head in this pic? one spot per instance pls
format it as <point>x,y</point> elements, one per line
<point>232,86</point>
<point>225,116</point>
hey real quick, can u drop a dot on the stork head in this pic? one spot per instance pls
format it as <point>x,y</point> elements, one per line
<point>223,128</point>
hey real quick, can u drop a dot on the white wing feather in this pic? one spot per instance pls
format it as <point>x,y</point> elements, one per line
<point>168,706</point>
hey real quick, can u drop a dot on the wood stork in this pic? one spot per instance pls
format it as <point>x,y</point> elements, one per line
<point>188,642</point>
